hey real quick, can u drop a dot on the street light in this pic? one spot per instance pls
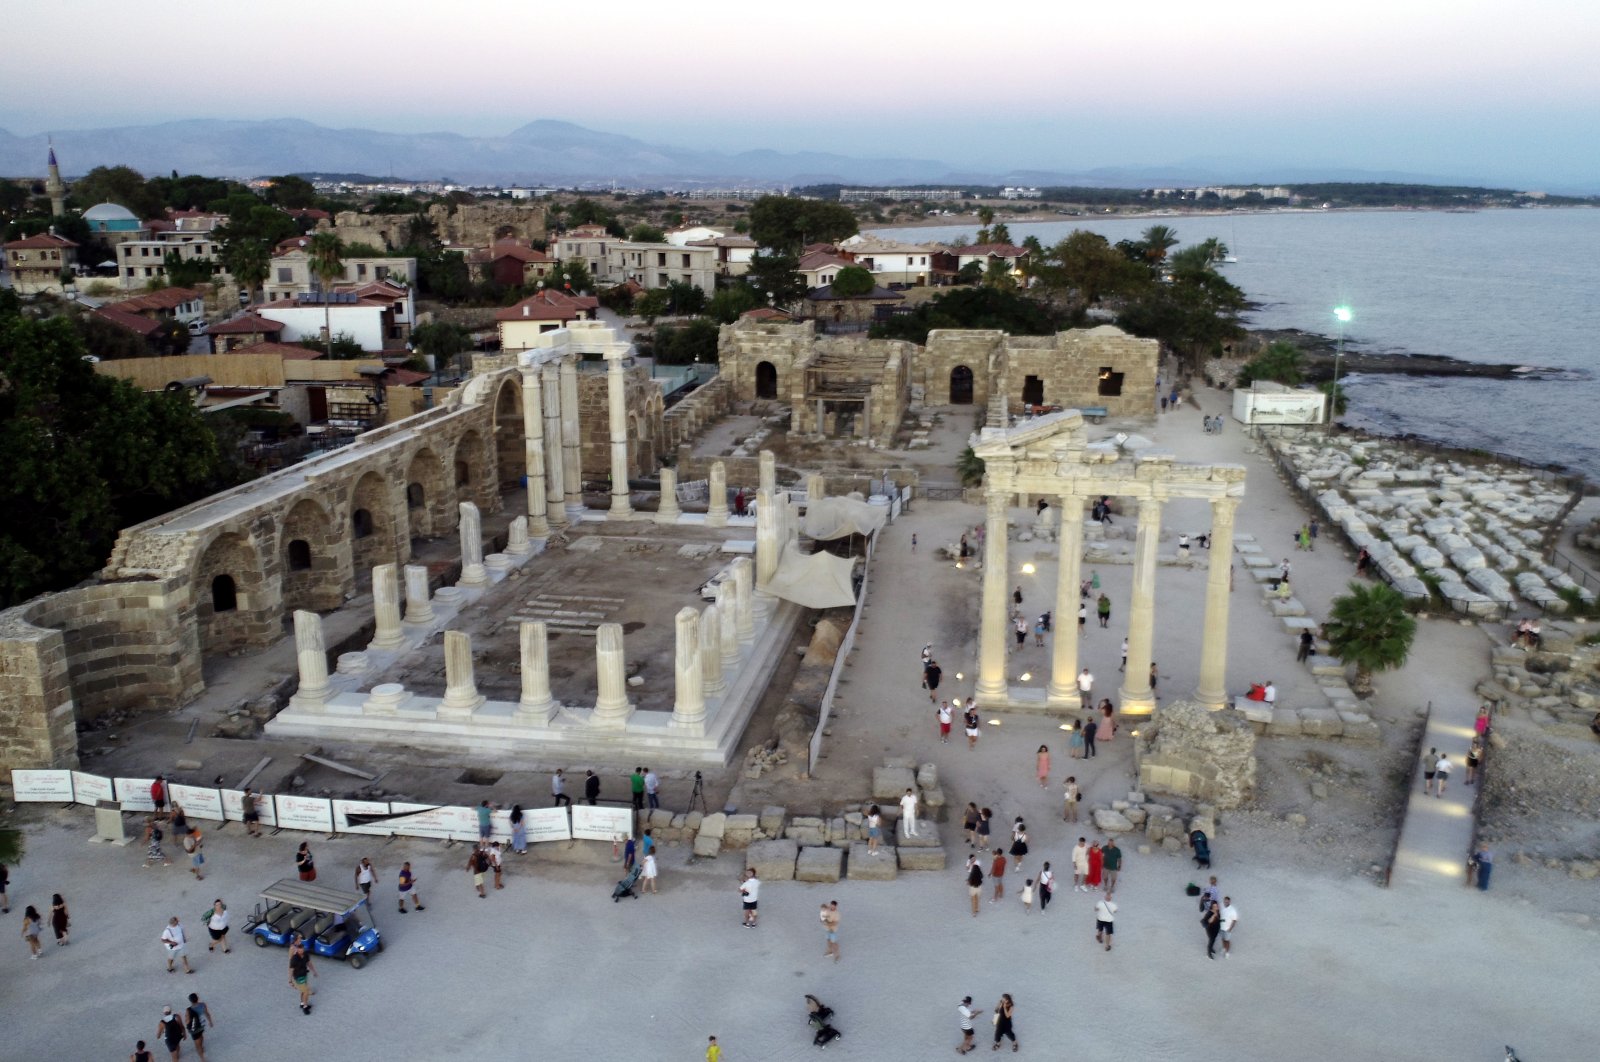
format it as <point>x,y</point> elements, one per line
<point>1342,315</point>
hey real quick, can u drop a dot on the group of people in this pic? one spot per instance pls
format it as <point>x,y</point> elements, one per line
<point>1306,538</point>
<point>32,922</point>
<point>1212,425</point>
<point>1528,634</point>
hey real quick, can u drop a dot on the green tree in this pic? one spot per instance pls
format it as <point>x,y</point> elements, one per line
<point>970,467</point>
<point>785,224</point>
<point>122,185</point>
<point>971,273</point>
<point>1215,250</point>
<point>1280,362</point>
<point>441,340</point>
<point>978,307</point>
<point>571,277</point>
<point>853,280</point>
<point>291,192</point>
<point>729,304</point>
<point>247,260</point>
<point>187,272</point>
<point>1086,264</point>
<point>1341,401</point>
<point>685,298</point>
<point>1000,233</point>
<point>644,233</point>
<point>685,344</point>
<point>776,279</point>
<point>1157,240</point>
<point>985,218</point>
<point>327,265</point>
<point>172,337</point>
<point>1371,629</point>
<point>651,304</point>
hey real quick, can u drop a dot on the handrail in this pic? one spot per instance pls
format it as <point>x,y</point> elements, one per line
<point>1411,781</point>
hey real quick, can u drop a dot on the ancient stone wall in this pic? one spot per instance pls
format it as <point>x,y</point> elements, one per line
<point>744,346</point>
<point>642,397</point>
<point>472,225</point>
<point>37,726</point>
<point>684,422</point>
<point>1209,756</point>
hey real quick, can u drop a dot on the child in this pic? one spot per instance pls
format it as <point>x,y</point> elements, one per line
<point>1027,897</point>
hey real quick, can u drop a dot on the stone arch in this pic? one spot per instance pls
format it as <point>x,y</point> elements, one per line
<point>234,606</point>
<point>961,386</point>
<point>371,526</point>
<point>510,450</point>
<point>766,380</point>
<point>313,576</point>
<point>470,470</point>
<point>430,500</point>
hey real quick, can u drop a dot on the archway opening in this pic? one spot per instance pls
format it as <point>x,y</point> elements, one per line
<point>463,474</point>
<point>361,523</point>
<point>961,386</point>
<point>415,497</point>
<point>1033,391</point>
<point>299,557</point>
<point>766,380</point>
<point>224,594</point>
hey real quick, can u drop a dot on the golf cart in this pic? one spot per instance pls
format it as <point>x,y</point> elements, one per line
<point>335,924</point>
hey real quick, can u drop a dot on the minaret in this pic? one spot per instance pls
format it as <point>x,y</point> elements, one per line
<point>55,187</point>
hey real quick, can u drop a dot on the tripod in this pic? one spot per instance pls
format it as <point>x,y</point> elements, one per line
<point>699,794</point>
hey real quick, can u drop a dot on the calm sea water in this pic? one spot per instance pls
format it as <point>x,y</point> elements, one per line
<point>1517,286</point>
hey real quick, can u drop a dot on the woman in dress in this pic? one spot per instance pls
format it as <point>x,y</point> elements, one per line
<point>1096,864</point>
<point>217,926</point>
<point>1474,756</point>
<point>1042,765</point>
<point>983,829</point>
<point>1076,751</point>
<point>1071,795</point>
<point>304,863</point>
<point>1019,843</point>
<point>59,921</point>
<point>519,831</point>
<point>969,822</point>
<point>1002,1023</point>
<point>32,927</point>
<point>874,829</point>
<point>1106,728</point>
<point>1480,725</point>
<point>649,872</point>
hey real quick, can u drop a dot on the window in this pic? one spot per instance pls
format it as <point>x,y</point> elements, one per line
<point>661,280</point>
<point>1033,391</point>
<point>299,555</point>
<point>285,275</point>
<point>686,261</point>
<point>361,270</point>
<point>1110,383</point>
<point>224,595</point>
<point>661,258</point>
<point>361,523</point>
<point>688,278</point>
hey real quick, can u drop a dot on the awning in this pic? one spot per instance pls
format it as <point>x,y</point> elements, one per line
<point>831,518</point>
<point>817,580</point>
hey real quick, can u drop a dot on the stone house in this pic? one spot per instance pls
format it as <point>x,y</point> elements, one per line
<point>544,311</point>
<point>35,263</point>
<point>658,265</point>
<point>243,331</point>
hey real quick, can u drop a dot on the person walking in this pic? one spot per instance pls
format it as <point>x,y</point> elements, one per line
<point>874,829</point>
<point>1041,763</point>
<point>932,673</point>
<point>1088,728</point>
<point>1071,797</point>
<point>1019,843</point>
<point>713,1051</point>
<point>1211,922</point>
<point>1047,886</point>
<point>197,1017</point>
<point>944,722</point>
<point>1210,894</point>
<point>1020,628</point>
<point>1106,728</point>
<point>1124,664</point>
<point>1096,866</point>
<point>969,823</point>
<point>648,872</point>
<point>1086,688</point>
<point>1027,896</point>
<point>1016,596</point>
<point>636,788</point>
<point>1083,617</point>
<point>408,887</point>
<point>192,843</point>
<point>1002,1023</point>
<point>366,875</point>
<point>997,873</point>
<point>1442,773</point>
<point>495,864</point>
<point>60,921</point>
<point>970,721</point>
<point>1307,642</point>
<point>304,863</point>
<point>140,1053</point>
<point>830,929</point>
<point>519,830</point>
<point>1080,866</point>
<point>175,942</point>
<point>1102,609</point>
<point>1105,924</point>
<point>251,806</point>
<point>5,889</point>
<point>478,866</point>
<point>1483,866</point>
<point>908,813</point>
<point>966,1012</point>
<point>1038,633</point>
<point>1111,863</point>
<point>974,882</point>
<point>591,788</point>
<point>217,926</point>
<point>1230,918</point>
<point>750,897</point>
<point>301,970</point>
<point>558,790</point>
<point>1474,757</point>
<point>985,820</point>
<point>33,927</point>
<point>170,1032</point>
<point>153,836</point>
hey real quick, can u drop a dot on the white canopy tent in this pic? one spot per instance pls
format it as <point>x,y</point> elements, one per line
<point>831,518</point>
<point>816,580</point>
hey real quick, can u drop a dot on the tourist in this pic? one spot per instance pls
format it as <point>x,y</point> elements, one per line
<point>1002,1023</point>
<point>997,872</point>
<point>1230,918</point>
<point>1106,728</point>
<point>1285,592</point>
<point>558,790</point>
<point>1097,858</point>
<point>1155,679</point>
<point>908,812</point>
<point>1307,641</point>
<point>647,843</point>
<point>969,823</point>
<point>1038,633</point>
<point>1041,761</point>
<point>158,793</point>
<point>1183,547</point>
<point>985,821</point>
<point>874,829</point>
<point>1016,595</point>
<point>1535,639</point>
<point>1210,894</point>
<point>1080,866</point>
<point>478,866</point>
<point>170,1032</point>
<point>1102,609</point>
<point>1205,424</point>
<point>1026,895</point>
<point>738,502</point>
<point>175,942</point>
<point>1211,922</point>
<point>1430,762</point>
<point>1111,863</point>
<point>519,830</point>
<point>179,822</point>
<point>1269,693</point>
<point>1216,424</point>
<point>1283,570</point>
<point>304,864</point>
<point>495,864</point>
<point>713,1051</point>
<point>140,1054</point>
<point>1363,561</point>
<point>966,550</point>
<point>198,1016</point>
<point>830,929</point>
<point>630,851</point>
<point>408,887</point>
<point>152,836</point>
<point>931,674</point>
<point>591,788</point>
<point>1163,403</point>
<point>1204,538</point>
<point>1086,687</point>
<point>967,1013</point>
<point>60,921</point>
<point>1083,616</point>
<point>1441,773</point>
<point>750,895</point>
<point>1047,885</point>
<point>1020,629</point>
<point>1480,725</point>
<point>301,969</point>
<point>649,872</point>
<point>1474,757</point>
<point>1071,795</point>
<point>217,926</point>
<point>1482,865</point>
<point>33,927</point>
<point>970,719</point>
<point>1313,528</point>
<point>652,789</point>
<point>1076,742</point>
<point>1088,735</point>
<point>252,812</point>
<point>1105,914</point>
<point>943,713</point>
<point>5,887</point>
<point>636,787</point>
<point>1124,666</point>
<point>366,874</point>
<point>913,542</point>
<point>974,882</point>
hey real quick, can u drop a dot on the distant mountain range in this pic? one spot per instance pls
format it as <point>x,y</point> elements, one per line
<point>555,152</point>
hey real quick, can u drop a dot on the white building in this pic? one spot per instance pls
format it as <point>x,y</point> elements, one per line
<point>890,261</point>
<point>657,265</point>
<point>290,271</point>
<point>141,261</point>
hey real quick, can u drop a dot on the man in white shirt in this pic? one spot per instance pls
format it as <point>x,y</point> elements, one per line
<point>1086,688</point>
<point>908,812</point>
<point>558,789</point>
<point>1269,693</point>
<point>749,894</point>
<point>177,944</point>
<point>967,1012</point>
<point>1441,773</point>
<point>1183,545</point>
<point>652,788</point>
<point>1105,914</point>
<point>1124,666</point>
<point>1230,917</point>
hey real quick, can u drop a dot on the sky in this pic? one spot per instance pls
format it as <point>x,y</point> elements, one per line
<point>1494,90</point>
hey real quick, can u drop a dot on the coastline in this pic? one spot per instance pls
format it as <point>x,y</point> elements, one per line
<point>955,220</point>
<point>1320,352</point>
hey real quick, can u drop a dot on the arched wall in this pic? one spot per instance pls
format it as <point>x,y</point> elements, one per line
<point>255,619</point>
<point>321,586</point>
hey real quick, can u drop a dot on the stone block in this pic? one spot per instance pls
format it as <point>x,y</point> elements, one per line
<point>927,835</point>
<point>927,776</point>
<point>771,821</point>
<point>891,783</point>
<point>882,866</point>
<point>707,847</point>
<point>1320,722</point>
<point>1255,711</point>
<point>1285,722</point>
<point>1137,816</point>
<point>1291,607</point>
<point>659,819</point>
<point>920,858</point>
<point>1112,821</point>
<point>907,762</point>
<point>839,834</point>
<point>714,825</point>
<point>819,864</point>
<point>691,821</point>
<point>772,860</point>
<point>1359,726</point>
<point>740,830</point>
<point>933,798</point>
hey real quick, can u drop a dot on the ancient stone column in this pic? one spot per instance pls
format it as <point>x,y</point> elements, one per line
<point>727,611</point>
<point>743,599</point>
<point>537,705</point>
<point>1069,572</point>
<point>717,499</point>
<point>712,683</point>
<point>769,547</point>
<point>386,631</point>
<point>461,695</point>
<point>617,411</point>
<point>816,487</point>
<point>668,512</point>
<point>517,543</point>
<point>769,473</point>
<point>571,439</point>
<point>611,707</point>
<point>312,653</point>
<point>554,461</point>
<point>1213,689</point>
<point>1137,698</point>
<point>419,609</point>
<point>992,625</point>
<point>473,573</point>
<point>689,703</point>
<point>533,452</point>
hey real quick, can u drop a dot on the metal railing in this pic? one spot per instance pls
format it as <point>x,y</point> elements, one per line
<point>1575,570</point>
<point>1411,780</point>
<point>846,645</point>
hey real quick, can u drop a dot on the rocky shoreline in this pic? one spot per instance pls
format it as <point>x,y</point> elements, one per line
<point>1320,350</point>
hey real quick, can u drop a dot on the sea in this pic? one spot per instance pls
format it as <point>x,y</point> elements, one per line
<point>1517,286</point>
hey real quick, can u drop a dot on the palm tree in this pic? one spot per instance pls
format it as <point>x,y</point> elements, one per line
<point>969,466</point>
<point>247,260</point>
<point>1370,628</point>
<point>1215,249</point>
<point>1158,240</point>
<point>327,265</point>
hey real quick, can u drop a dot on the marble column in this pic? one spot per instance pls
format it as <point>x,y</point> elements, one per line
<point>554,462</point>
<point>533,452</point>
<point>717,496</point>
<point>617,414</point>
<point>517,543</point>
<point>744,599</point>
<point>689,703</point>
<point>461,696</point>
<point>769,473</point>
<point>1137,698</point>
<point>312,653</point>
<point>992,625</point>
<point>571,439</point>
<point>1213,689</point>
<point>1069,573</point>
<point>473,573</point>
<point>728,613</point>
<point>611,707</point>
<point>816,487</point>
<point>711,683</point>
<point>386,631</point>
<point>419,608</point>
<point>668,512</point>
<point>537,705</point>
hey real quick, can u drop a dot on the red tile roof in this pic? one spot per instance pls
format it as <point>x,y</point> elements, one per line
<point>405,377</point>
<point>43,241</point>
<point>515,249</point>
<point>548,306</point>
<point>293,243</point>
<point>303,213</point>
<point>144,326</point>
<point>286,351</point>
<point>766,313</point>
<point>243,326</point>
<point>998,250</point>
<point>821,260</point>
<point>164,299</point>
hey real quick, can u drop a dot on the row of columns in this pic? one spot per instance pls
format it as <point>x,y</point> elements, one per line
<point>1136,694</point>
<point>552,449</point>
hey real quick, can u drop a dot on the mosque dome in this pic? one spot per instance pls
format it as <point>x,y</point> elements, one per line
<point>109,217</point>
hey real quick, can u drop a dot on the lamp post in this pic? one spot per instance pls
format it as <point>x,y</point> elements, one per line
<point>1342,315</point>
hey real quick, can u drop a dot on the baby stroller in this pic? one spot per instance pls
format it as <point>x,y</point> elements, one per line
<point>817,1014</point>
<point>1202,848</point>
<point>625,886</point>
